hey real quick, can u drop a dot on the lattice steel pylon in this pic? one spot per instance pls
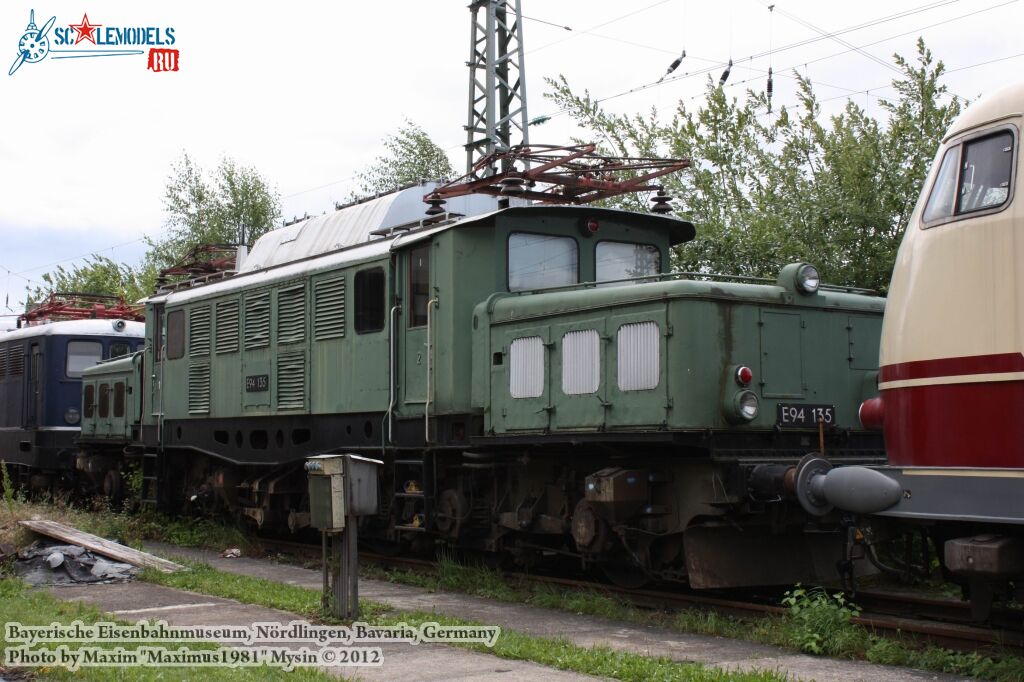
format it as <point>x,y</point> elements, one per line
<point>497,82</point>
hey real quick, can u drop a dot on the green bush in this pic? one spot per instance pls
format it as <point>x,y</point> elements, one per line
<point>819,622</point>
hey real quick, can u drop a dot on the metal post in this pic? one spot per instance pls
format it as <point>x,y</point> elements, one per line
<point>339,605</point>
<point>497,81</point>
<point>352,531</point>
<point>345,589</point>
<point>325,599</point>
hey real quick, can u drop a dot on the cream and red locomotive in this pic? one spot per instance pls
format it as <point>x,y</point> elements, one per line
<point>951,376</point>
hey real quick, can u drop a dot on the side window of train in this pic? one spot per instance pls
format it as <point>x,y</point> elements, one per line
<point>974,176</point>
<point>158,334</point>
<point>119,399</point>
<point>119,349</point>
<point>370,290</point>
<point>82,354</point>
<point>419,285</point>
<point>90,401</point>
<point>104,400</point>
<point>175,334</point>
<point>538,261</point>
<point>624,260</point>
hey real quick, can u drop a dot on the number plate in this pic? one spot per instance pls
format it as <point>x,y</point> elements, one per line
<point>256,383</point>
<point>803,415</point>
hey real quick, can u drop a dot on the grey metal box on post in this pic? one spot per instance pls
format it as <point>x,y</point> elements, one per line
<point>341,488</point>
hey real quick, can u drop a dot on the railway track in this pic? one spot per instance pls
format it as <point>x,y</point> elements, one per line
<point>945,622</point>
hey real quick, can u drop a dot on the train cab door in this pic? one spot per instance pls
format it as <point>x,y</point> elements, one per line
<point>419,308</point>
<point>34,402</point>
<point>156,346</point>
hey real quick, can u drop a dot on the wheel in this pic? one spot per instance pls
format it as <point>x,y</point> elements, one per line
<point>113,486</point>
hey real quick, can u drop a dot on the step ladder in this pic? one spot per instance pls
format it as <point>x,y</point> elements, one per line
<point>414,480</point>
<point>150,478</point>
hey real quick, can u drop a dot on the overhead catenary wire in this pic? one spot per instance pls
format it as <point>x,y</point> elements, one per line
<point>719,64</point>
<point>597,26</point>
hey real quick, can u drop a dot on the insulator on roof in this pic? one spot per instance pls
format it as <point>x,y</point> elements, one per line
<point>674,65</point>
<point>725,74</point>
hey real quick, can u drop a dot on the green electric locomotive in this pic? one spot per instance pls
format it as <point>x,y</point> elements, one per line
<point>536,379</point>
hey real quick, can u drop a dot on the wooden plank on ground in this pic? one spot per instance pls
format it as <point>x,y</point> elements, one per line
<point>114,550</point>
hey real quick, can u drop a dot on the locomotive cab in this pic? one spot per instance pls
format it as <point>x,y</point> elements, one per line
<point>41,368</point>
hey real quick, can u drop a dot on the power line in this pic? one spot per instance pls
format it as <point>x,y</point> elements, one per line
<point>721,64</point>
<point>832,36</point>
<point>313,189</point>
<point>94,252</point>
<point>601,25</point>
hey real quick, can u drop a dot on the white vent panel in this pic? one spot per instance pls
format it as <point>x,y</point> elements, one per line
<point>639,359</point>
<point>581,362</point>
<point>526,367</point>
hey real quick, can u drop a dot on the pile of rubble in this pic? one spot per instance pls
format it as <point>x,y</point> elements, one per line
<point>45,563</point>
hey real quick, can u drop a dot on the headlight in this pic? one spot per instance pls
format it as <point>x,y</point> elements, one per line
<point>741,407</point>
<point>72,415</point>
<point>747,405</point>
<point>807,278</point>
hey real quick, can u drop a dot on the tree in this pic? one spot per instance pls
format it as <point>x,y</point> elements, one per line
<point>215,209</point>
<point>201,209</point>
<point>410,156</point>
<point>766,189</point>
<point>98,275</point>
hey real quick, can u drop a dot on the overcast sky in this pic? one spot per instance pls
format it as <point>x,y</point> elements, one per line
<point>305,91</point>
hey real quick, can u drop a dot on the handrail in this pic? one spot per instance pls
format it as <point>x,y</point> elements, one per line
<point>682,274</point>
<point>430,352</point>
<point>393,361</point>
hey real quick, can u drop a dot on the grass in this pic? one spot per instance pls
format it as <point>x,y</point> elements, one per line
<point>556,653</point>
<point>817,622</point>
<point>818,630</point>
<point>123,526</point>
<point>37,607</point>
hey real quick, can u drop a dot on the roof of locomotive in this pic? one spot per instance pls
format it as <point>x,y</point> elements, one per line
<point>131,329</point>
<point>998,104</point>
<point>355,224</point>
<point>278,269</point>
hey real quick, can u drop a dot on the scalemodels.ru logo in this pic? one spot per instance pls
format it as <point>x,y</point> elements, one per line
<point>36,44</point>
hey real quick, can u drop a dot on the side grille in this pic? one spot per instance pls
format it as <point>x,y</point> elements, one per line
<point>199,331</point>
<point>639,359</point>
<point>291,315</point>
<point>15,360</point>
<point>3,362</point>
<point>257,321</point>
<point>526,367</point>
<point>581,362</point>
<point>291,381</point>
<point>329,307</point>
<point>227,327</point>
<point>199,388</point>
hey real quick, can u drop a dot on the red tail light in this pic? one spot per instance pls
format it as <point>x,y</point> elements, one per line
<point>872,414</point>
<point>744,375</point>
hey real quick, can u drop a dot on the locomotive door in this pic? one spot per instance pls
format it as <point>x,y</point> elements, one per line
<point>419,308</point>
<point>576,382</point>
<point>521,380</point>
<point>35,388</point>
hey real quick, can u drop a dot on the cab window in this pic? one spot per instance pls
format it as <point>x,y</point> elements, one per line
<point>370,289</point>
<point>538,261</point>
<point>419,285</point>
<point>974,176</point>
<point>624,260</point>
<point>81,355</point>
<point>119,349</point>
<point>175,334</point>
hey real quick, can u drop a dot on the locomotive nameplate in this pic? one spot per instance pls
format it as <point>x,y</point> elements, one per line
<point>796,415</point>
<point>256,383</point>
